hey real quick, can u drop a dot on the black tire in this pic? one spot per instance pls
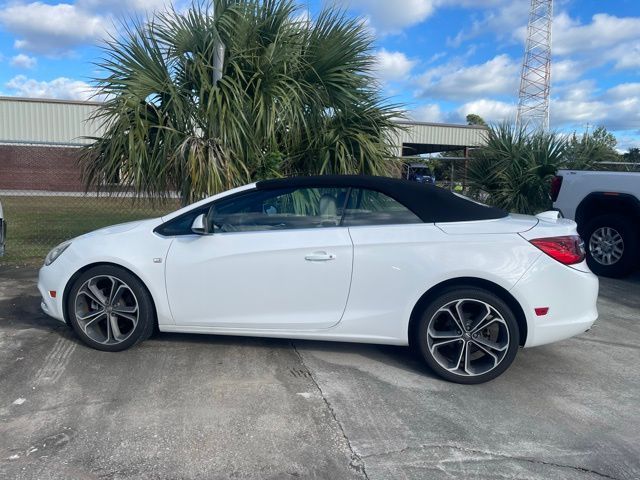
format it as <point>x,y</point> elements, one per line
<point>630,234</point>
<point>145,310</point>
<point>505,330</point>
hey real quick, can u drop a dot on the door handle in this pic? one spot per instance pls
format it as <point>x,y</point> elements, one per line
<point>320,257</point>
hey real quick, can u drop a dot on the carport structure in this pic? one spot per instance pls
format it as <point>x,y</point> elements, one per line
<point>419,138</point>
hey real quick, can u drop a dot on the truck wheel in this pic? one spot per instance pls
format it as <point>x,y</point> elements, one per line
<point>613,243</point>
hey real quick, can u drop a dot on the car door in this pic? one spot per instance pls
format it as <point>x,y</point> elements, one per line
<point>275,260</point>
<point>395,257</point>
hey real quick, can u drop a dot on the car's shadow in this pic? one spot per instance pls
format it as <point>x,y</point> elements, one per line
<point>394,356</point>
<point>20,303</point>
<point>23,312</point>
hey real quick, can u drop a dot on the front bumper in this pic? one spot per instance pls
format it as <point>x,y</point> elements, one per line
<point>53,279</point>
<point>570,294</point>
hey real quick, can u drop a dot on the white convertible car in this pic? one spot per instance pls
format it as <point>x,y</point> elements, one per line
<point>343,258</point>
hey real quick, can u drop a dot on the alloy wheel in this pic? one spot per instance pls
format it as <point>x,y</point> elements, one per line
<point>606,246</point>
<point>468,337</point>
<point>106,309</point>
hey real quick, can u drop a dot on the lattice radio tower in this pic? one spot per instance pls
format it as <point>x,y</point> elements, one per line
<point>535,82</point>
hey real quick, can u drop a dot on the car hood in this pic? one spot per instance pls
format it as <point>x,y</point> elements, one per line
<point>123,227</point>
<point>512,223</point>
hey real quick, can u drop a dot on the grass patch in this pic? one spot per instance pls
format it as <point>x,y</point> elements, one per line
<point>37,224</point>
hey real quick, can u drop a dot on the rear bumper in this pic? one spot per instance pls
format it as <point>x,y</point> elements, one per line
<point>570,294</point>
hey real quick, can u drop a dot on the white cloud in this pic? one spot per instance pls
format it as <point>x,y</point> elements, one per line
<point>61,88</point>
<point>576,91</point>
<point>570,36</point>
<point>491,110</point>
<point>617,108</point>
<point>498,76</point>
<point>505,19</point>
<point>388,16</point>
<point>392,16</point>
<point>52,29</point>
<point>577,113</point>
<point>427,113</point>
<point>624,91</point>
<point>566,70</point>
<point>625,56</point>
<point>56,29</point>
<point>121,5</point>
<point>472,3</point>
<point>23,61</point>
<point>605,39</point>
<point>393,66</point>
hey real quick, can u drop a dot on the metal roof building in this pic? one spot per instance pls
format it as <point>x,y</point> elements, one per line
<point>65,123</point>
<point>422,137</point>
<point>46,122</point>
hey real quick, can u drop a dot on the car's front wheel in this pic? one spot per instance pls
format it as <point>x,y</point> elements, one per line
<point>468,335</point>
<point>110,309</point>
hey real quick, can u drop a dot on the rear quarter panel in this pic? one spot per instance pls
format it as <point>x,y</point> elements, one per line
<point>395,265</point>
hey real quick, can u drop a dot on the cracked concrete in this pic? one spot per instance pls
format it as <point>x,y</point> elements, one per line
<point>177,406</point>
<point>187,406</point>
<point>562,411</point>
<point>356,462</point>
<point>485,455</point>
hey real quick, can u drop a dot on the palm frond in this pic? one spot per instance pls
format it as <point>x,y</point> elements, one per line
<point>237,90</point>
<point>513,170</point>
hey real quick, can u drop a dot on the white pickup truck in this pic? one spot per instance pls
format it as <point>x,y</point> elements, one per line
<point>606,206</point>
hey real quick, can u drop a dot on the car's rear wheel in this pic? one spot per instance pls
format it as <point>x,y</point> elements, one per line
<point>613,243</point>
<point>110,309</point>
<point>468,335</point>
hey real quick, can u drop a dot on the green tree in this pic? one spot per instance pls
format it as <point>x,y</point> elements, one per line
<point>585,152</point>
<point>513,170</point>
<point>473,119</point>
<point>632,155</point>
<point>235,91</point>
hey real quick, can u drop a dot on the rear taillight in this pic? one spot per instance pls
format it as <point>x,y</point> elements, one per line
<point>567,250</point>
<point>556,184</point>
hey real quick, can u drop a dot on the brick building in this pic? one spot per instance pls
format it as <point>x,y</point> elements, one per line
<point>40,141</point>
<point>39,167</point>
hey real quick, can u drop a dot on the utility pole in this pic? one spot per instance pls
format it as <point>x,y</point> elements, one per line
<point>535,81</point>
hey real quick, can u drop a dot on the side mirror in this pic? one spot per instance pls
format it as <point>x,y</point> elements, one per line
<point>199,225</point>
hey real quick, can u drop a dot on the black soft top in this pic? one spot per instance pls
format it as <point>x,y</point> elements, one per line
<point>430,203</point>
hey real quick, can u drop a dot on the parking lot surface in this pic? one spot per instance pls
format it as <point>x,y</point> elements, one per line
<point>207,407</point>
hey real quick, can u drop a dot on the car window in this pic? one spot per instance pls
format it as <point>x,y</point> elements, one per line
<point>181,225</point>
<point>368,207</point>
<point>282,209</point>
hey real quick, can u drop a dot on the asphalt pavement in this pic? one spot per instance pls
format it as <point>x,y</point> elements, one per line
<point>209,407</point>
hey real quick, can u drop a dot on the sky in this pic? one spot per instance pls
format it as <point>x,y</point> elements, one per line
<point>441,59</point>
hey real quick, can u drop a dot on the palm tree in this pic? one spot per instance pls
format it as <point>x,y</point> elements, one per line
<point>514,169</point>
<point>235,91</point>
